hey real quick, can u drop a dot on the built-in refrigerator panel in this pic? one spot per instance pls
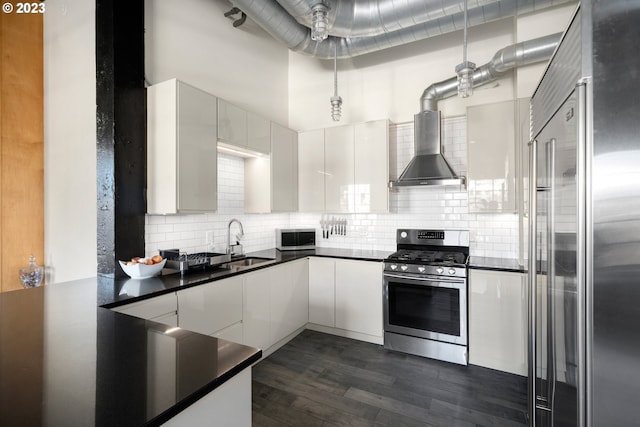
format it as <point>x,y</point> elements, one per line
<point>556,349</point>
<point>587,285</point>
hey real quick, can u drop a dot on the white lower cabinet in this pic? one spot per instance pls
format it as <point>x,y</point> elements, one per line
<point>275,303</point>
<point>161,309</point>
<point>212,307</point>
<point>345,297</point>
<point>256,315</point>
<point>322,292</point>
<point>498,320</point>
<point>288,298</point>
<point>359,296</point>
<point>233,333</point>
<point>228,405</point>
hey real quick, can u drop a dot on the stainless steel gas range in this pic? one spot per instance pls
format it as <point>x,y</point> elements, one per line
<point>425,294</point>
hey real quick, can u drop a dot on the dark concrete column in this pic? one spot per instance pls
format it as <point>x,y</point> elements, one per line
<point>121,132</point>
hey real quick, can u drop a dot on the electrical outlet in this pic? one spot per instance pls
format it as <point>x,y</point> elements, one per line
<point>209,237</point>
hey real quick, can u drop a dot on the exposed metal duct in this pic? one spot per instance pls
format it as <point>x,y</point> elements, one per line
<point>374,17</point>
<point>507,58</point>
<point>428,166</point>
<point>362,26</point>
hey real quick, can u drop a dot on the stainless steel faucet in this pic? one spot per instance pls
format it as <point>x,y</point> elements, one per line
<point>234,250</point>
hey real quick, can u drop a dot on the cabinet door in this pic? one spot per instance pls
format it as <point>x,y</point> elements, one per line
<point>284,169</point>
<point>256,316</point>
<point>491,179</point>
<point>359,296</point>
<point>163,306</point>
<point>289,296</point>
<point>311,171</point>
<point>498,321</point>
<point>371,167</point>
<point>232,333</point>
<point>181,149</point>
<point>322,291</point>
<point>257,185</point>
<point>258,133</point>
<point>232,124</point>
<point>197,153</point>
<point>338,168</point>
<point>211,307</point>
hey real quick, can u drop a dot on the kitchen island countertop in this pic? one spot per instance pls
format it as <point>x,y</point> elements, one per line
<point>65,361</point>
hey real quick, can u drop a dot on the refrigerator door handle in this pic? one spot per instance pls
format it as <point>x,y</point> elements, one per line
<point>551,272</point>
<point>531,356</point>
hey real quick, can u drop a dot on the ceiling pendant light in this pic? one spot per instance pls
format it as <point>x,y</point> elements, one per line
<point>336,101</point>
<point>465,69</point>
<point>319,22</point>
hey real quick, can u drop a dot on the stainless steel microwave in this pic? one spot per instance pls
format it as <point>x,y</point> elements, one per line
<point>295,239</point>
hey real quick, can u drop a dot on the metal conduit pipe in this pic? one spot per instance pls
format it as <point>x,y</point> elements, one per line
<point>282,26</point>
<point>507,58</point>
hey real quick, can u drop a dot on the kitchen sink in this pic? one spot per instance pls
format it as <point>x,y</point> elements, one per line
<point>245,263</point>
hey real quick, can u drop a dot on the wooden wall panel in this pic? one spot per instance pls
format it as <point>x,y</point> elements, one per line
<point>21,144</point>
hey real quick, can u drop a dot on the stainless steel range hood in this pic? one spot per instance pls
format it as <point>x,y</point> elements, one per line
<point>428,166</point>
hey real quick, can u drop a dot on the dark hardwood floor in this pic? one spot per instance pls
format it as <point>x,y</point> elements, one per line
<point>323,380</point>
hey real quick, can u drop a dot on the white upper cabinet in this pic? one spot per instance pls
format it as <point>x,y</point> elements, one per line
<point>371,152</point>
<point>491,166</point>
<point>338,168</point>
<point>181,149</point>
<point>271,183</point>
<point>284,169</point>
<point>311,171</point>
<point>344,168</point>
<point>232,124</point>
<point>258,133</point>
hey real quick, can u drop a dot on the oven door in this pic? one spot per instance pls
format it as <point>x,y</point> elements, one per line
<point>426,307</point>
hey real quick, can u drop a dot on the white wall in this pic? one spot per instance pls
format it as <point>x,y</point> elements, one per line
<point>191,40</point>
<point>69,140</point>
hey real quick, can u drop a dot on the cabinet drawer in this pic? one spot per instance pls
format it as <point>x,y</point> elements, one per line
<point>151,308</point>
<point>211,307</point>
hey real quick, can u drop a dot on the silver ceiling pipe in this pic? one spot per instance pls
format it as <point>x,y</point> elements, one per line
<point>282,25</point>
<point>507,58</point>
<point>366,18</point>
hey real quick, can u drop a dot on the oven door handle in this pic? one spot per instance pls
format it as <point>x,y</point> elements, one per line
<point>426,279</point>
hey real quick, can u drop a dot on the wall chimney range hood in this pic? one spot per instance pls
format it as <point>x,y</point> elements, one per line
<point>428,166</point>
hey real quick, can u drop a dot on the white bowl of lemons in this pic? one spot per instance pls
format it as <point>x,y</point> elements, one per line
<point>143,268</point>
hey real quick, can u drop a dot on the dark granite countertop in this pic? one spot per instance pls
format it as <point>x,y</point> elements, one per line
<point>113,293</point>
<point>496,264</point>
<point>66,359</point>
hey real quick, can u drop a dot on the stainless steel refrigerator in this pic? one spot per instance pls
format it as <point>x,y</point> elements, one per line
<point>584,228</point>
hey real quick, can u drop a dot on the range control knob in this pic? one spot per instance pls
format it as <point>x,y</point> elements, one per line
<point>439,270</point>
<point>452,271</point>
<point>393,267</point>
<point>403,234</point>
<point>421,269</point>
<point>403,267</point>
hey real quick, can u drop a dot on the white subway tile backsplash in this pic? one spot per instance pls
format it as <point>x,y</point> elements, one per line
<point>493,235</point>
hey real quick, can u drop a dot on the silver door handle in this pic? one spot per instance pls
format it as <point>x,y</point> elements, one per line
<point>533,172</point>
<point>551,267</point>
